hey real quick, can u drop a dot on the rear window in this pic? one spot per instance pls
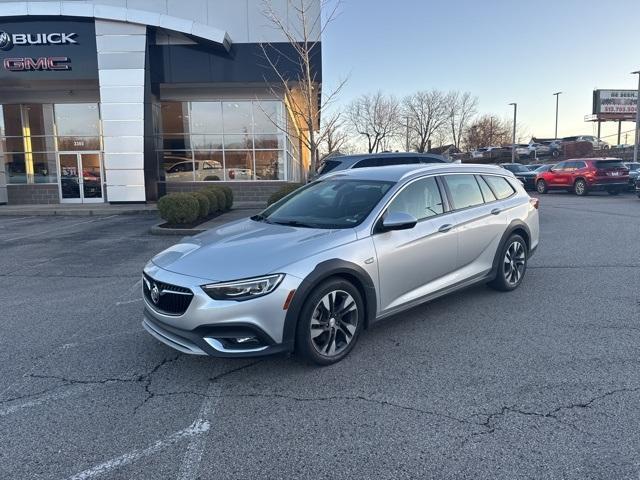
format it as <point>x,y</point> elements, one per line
<point>327,166</point>
<point>610,164</point>
<point>500,186</point>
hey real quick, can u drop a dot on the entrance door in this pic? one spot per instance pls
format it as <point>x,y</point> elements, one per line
<point>80,178</point>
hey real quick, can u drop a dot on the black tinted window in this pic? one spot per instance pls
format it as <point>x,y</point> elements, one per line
<point>369,162</point>
<point>421,199</point>
<point>500,186</point>
<point>486,191</point>
<point>610,164</point>
<point>465,191</point>
<point>327,166</point>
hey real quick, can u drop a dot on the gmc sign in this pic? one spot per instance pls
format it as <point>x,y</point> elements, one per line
<point>43,63</point>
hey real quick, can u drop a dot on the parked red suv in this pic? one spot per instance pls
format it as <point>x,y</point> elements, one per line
<point>585,175</point>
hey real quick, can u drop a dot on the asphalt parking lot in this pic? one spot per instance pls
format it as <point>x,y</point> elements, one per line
<point>543,382</point>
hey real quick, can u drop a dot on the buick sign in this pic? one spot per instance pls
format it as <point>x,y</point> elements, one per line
<point>5,41</point>
<point>8,41</point>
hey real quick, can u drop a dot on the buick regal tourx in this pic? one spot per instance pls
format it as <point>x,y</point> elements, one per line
<point>314,270</point>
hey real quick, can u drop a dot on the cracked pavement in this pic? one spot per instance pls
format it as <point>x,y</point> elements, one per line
<point>543,382</point>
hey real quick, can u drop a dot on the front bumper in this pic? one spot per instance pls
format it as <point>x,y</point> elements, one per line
<point>220,328</point>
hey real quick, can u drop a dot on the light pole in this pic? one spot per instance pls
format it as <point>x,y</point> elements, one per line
<point>637,142</point>
<point>513,143</point>
<point>557,94</point>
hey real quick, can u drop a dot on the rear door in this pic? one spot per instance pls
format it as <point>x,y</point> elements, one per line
<point>480,222</point>
<point>414,263</point>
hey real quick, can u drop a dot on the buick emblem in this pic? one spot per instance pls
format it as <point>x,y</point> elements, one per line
<point>155,294</point>
<point>5,41</point>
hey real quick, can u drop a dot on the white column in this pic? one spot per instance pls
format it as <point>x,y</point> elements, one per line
<point>121,63</point>
<point>3,184</point>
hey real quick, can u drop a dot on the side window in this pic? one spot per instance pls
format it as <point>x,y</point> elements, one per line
<point>570,166</point>
<point>500,186</point>
<point>464,190</point>
<point>421,199</point>
<point>397,161</point>
<point>580,165</point>
<point>559,167</point>
<point>369,162</point>
<point>486,191</point>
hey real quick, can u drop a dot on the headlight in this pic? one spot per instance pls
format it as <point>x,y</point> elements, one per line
<point>244,289</point>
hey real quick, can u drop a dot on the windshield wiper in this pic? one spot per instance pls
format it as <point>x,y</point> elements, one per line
<point>260,218</point>
<point>295,223</point>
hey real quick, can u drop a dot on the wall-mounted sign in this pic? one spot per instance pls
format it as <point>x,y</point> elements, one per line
<point>615,103</point>
<point>39,49</point>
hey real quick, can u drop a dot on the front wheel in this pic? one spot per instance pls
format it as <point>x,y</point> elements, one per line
<point>580,187</point>
<point>330,322</point>
<point>541,186</point>
<point>512,264</point>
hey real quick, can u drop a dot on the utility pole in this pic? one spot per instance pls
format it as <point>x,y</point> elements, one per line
<point>513,143</point>
<point>557,94</point>
<point>637,142</point>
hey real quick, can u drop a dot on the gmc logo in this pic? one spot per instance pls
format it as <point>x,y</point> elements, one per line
<point>42,64</point>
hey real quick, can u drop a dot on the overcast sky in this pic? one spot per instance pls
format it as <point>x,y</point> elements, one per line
<point>500,50</point>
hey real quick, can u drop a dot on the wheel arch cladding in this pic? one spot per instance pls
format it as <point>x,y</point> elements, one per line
<point>517,227</point>
<point>330,269</point>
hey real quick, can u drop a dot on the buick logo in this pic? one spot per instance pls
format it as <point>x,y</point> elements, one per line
<point>155,294</point>
<point>5,41</point>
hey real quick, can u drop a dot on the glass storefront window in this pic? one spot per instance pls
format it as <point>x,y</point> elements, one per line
<point>239,165</point>
<point>176,166</point>
<point>44,167</point>
<point>267,116</point>
<point>237,117</point>
<point>238,142</point>
<point>15,167</point>
<point>175,118</point>
<point>176,142</point>
<point>206,117</point>
<point>209,166</point>
<point>270,165</point>
<point>269,142</point>
<point>77,120</point>
<point>12,117</point>
<point>72,144</point>
<point>206,142</point>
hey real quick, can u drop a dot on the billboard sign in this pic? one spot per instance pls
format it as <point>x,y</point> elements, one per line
<point>615,102</point>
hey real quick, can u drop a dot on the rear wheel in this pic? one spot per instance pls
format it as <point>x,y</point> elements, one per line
<point>512,264</point>
<point>580,187</point>
<point>541,186</point>
<point>330,322</point>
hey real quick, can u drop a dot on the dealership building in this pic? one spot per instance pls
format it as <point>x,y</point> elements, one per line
<point>127,100</point>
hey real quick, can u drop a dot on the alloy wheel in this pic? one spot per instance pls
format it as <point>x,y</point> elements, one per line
<point>334,322</point>
<point>541,187</point>
<point>514,263</point>
<point>580,187</point>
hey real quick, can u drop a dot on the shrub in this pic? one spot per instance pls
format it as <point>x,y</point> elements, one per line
<point>203,204</point>
<point>283,192</point>
<point>228,193</point>
<point>213,200</point>
<point>222,199</point>
<point>179,208</point>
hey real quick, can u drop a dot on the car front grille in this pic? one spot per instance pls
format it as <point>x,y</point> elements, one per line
<point>171,299</point>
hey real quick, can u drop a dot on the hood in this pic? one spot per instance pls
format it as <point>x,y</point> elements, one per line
<point>525,174</point>
<point>246,249</point>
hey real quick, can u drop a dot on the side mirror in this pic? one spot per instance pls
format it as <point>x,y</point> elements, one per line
<point>398,221</point>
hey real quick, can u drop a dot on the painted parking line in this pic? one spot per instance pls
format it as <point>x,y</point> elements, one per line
<point>45,399</point>
<point>198,428</point>
<point>43,232</point>
<point>193,456</point>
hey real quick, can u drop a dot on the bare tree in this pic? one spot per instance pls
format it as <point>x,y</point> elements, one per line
<point>302,29</point>
<point>488,130</point>
<point>426,113</point>
<point>336,137</point>
<point>376,118</point>
<point>462,108</point>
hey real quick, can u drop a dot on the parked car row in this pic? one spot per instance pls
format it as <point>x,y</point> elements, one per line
<point>537,149</point>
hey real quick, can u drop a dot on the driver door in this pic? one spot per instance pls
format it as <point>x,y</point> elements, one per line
<point>412,263</point>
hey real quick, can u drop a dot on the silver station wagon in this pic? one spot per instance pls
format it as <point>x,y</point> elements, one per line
<point>314,270</point>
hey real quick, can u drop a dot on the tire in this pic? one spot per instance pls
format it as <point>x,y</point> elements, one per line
<point>512,264</point>
<point>580,188</point>
<point>555,154</point>
<point>323,336</point>
<point>541,186</point>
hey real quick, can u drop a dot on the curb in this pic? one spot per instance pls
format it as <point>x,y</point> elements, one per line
<point>185,232</point>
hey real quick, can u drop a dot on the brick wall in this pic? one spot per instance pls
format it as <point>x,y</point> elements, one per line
<point>32,194</point>
<point>242,191</point>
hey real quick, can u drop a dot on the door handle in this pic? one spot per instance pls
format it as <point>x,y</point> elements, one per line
<point>496,211</point>
<point>445,228</point>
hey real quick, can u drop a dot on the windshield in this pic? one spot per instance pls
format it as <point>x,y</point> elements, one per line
<point>332,203</point>
<point>516,168</point>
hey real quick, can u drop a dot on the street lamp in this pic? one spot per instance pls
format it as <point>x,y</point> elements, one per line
<point>636,143</point>
<point>557,94</point>
<point>513,143</point>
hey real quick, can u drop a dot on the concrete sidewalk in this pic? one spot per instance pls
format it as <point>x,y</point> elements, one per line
<point>84,209</point>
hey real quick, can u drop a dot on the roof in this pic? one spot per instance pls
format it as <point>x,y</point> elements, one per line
<point>396,173</point>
